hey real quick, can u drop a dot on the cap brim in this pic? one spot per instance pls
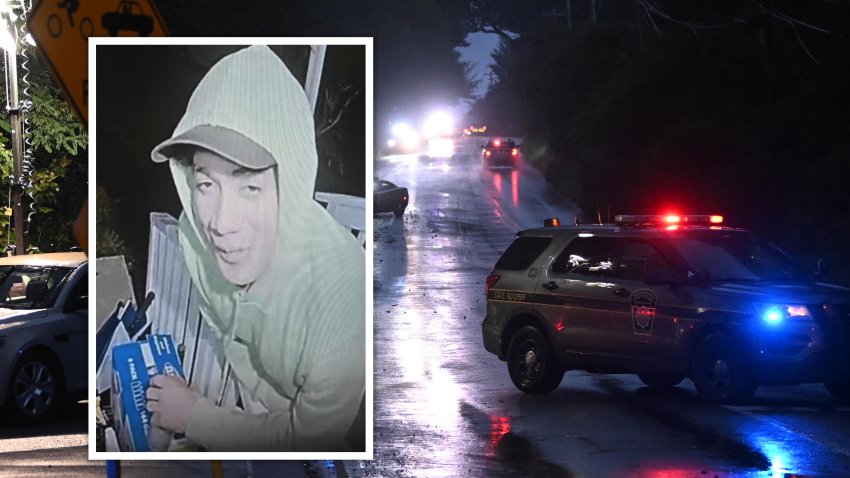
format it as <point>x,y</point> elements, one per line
<point>222,141</point>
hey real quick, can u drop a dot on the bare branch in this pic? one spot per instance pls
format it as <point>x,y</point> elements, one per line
<point>340,111</point>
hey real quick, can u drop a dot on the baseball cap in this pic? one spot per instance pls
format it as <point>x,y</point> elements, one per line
<point>225,142</point>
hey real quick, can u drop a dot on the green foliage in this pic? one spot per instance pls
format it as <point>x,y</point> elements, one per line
<point>54,126</point>
<point>58,142</point>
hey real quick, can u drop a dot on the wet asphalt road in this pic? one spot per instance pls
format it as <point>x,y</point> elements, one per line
<point>445,407</point>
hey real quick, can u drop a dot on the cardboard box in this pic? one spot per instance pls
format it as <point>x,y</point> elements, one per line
<point>133,364</point>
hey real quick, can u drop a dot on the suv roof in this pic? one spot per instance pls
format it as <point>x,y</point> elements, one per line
<point>67,259</point>
<point>637,231</point>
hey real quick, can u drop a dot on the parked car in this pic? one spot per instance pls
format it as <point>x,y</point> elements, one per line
<point>389,198</point>
<point>500,152</point>
<point>43,332</point>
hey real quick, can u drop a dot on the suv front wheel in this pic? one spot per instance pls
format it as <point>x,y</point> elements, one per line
<point>36,389</point>
<point>531,363</point>
<point>720,370</point>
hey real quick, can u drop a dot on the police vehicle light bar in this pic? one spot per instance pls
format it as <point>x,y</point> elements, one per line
<point>670,219</point>
<point>551,222</point>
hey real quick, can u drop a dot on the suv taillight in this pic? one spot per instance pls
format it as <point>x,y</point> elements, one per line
<point>514,152</point>
<point>491,281</point>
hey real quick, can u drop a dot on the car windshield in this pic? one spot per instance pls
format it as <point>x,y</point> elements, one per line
<point>29,287</point>
<point>736,256</point>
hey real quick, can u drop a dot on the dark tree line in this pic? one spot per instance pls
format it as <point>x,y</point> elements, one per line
<point>735,107</point>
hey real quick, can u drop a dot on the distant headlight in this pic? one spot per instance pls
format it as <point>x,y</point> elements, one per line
<point>775,314</point>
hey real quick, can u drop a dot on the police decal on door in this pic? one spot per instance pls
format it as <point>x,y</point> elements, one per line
<point>643,311</point>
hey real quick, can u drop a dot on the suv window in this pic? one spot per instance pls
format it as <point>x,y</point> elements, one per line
<point>736,257</point>
<point>523,252</point>
<point>635,257</point>
<point>626,258</point>
<point>29,287</point>
<point>587,255</point>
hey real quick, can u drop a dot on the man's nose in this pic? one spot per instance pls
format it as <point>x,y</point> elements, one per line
<point>228,215</point>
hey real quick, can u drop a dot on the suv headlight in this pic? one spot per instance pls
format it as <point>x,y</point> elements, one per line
<point>775,314</point>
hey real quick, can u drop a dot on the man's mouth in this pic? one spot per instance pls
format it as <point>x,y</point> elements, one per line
<point>231,255</point>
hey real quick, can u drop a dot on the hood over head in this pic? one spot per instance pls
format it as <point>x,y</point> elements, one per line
<point>301,320</point>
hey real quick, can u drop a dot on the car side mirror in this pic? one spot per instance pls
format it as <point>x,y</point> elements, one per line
<point>77,304</point>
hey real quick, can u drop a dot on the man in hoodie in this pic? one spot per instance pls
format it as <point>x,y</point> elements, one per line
<point>282,284</point>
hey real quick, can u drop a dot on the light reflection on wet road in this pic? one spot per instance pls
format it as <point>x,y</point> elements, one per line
<point>445,407</point>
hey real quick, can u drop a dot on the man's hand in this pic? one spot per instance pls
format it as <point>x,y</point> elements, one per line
<point>171,401</point>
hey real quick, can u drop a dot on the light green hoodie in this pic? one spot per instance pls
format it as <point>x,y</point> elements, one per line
<point>295,338</point>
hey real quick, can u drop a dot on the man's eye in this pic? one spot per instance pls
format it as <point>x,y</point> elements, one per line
<point>203,186</point>
<point>252,189</point>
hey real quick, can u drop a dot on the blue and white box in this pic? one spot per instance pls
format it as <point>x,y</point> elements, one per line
<point>133,364</point>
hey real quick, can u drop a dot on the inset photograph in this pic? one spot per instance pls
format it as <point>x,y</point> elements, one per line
<point>231,239</point>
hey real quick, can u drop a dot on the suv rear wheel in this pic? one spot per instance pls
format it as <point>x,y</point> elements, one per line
<point>531,363</point>
<point>720,370</point>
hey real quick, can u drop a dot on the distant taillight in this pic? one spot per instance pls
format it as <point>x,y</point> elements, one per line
<point>404,198</point>
<point>487,153</point>
<point>514,152</point>
<point>491,281</point>
<point>497,143</point>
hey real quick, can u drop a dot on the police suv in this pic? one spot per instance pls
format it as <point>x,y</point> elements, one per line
<point>666,298</point>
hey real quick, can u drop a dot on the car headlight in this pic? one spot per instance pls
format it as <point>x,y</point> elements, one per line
<point>775,314</point>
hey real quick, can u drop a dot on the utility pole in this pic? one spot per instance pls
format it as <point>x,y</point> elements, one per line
<point>13,105</point>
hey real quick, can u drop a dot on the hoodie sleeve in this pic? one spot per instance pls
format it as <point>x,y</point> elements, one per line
<point>330,386</point>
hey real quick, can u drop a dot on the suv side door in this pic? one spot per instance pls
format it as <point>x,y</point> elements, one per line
<point>645,320</point>
<point>577,289</point>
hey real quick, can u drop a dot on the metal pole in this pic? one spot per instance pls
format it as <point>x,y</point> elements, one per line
<point>17,151</point>
<point>314,73</point>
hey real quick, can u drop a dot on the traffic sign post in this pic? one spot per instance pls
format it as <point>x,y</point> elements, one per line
<point>61,29</point>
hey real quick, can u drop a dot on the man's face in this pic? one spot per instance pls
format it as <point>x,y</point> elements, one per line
<point>238,212</point>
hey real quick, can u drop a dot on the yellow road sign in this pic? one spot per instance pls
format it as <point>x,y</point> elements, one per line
<point>61,29</point>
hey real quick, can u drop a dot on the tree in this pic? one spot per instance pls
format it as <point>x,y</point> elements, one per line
<point>55,159</point>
